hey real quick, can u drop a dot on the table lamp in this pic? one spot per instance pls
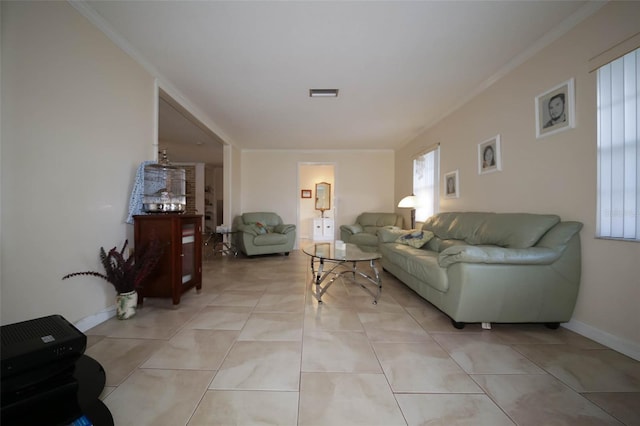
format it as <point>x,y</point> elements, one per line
<point>410,202</point>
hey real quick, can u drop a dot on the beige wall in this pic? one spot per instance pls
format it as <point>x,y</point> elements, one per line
<point>363,182</point>
<point>77,119</point>
<point>556,174</point>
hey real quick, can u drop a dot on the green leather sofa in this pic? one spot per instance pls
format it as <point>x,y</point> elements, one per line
<point>263,233</point>
<point>364,233</point>
<point>491,267</point>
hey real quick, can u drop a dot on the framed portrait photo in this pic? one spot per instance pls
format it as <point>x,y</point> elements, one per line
<point>451,185</point>
<point>555,110</point>
<point>489,156</point>
<point>305,193</point>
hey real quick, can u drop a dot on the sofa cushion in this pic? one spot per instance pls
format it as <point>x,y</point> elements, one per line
<point>284,228</point>
<point>433,244</point>
<point>354,229</point>
<point>445,244</point>
<point>270,239</point>
<point>266,218</point>
<point>364,239</point>
<point>512,230</point>
<point>455,225</point>
<point>498,255</point>
<point>377,219</point>
<point>422,264</point>
<point>373,230</point>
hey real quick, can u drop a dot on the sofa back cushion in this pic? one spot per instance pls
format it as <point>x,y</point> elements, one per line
<point>265,218</point>
<point>514,230</point>
<point>378,220</point>
<point>455,226</point>
<point>511,230</point>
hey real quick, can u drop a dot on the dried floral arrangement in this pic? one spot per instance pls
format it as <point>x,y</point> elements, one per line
<point>127,274</point>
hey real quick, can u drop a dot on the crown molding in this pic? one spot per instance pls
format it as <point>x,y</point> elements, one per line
<point>163,83</point>
<point>565,26</point>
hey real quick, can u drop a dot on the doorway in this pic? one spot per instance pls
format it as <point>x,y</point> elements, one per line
<point>309,174</point>
<point>192,145</point>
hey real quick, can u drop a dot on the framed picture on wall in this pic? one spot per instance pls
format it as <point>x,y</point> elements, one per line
<point>305,193</point>
<point>489,157</point>
<point>555,110</point>
<point>451,185</point>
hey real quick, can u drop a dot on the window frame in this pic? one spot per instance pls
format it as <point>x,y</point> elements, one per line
<point>618,148</point>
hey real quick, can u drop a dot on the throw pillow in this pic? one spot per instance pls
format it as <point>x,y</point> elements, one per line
<point>415,238</point>
<point>262,229</point>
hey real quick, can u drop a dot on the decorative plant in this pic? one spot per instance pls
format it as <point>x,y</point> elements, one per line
<point>127,274</point>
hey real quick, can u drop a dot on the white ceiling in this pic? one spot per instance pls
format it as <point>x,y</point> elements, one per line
<point>245,68</point>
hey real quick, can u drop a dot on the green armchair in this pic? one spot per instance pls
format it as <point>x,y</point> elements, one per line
<point>263,233</point>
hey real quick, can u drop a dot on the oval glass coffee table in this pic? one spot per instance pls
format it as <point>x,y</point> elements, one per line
<point>330,263</point>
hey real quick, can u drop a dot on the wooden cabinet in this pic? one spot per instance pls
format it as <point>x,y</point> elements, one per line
<point>180,268</point>
<point>323,229</point>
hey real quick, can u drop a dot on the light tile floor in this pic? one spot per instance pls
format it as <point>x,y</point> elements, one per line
<point>254,347</point>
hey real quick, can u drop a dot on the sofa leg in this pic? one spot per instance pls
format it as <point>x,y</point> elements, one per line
<point>458,325</point>
<point>486,325</point>
<point>286,253</point>
<point>552,325</point>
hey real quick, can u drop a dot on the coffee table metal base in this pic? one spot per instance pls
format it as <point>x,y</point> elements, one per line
<point>344,267</point>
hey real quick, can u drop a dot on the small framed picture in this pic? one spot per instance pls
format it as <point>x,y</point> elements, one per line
<point>305,193</point>
<point>451,185</point>
<point>555,110</point>
<point>489,157</point>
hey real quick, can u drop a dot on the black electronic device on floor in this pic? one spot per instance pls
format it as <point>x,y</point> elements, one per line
<point>46,378</point>
<point>46,343</point>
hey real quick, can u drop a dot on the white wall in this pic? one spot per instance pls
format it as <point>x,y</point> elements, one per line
<point>363,182</point>
<point>77,119</point>
<point>556,174</point>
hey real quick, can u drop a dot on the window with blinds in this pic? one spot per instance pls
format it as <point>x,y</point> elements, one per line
<point>618,214</point>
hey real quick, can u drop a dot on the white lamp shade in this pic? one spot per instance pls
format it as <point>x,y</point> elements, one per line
<point>408,202</point>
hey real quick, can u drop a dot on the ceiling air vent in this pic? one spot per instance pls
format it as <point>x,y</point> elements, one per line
<point>323,93</point>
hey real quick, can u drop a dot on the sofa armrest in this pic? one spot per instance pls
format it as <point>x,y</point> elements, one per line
<point>559,235</point>
<point>390,235</point>
<point>497,255</point>
<point>353,229</point>
<point>284,228</point>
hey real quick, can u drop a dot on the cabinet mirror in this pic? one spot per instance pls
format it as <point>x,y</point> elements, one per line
<point>323,196</point>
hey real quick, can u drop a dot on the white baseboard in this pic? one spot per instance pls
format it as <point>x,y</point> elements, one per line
<point>626,347</point>
<point>95,319</point>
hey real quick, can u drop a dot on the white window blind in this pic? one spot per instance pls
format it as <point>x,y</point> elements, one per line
<point>618,214</point>
<point>426,183</point>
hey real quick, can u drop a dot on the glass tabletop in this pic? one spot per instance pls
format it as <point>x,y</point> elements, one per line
<point>328,251</point>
